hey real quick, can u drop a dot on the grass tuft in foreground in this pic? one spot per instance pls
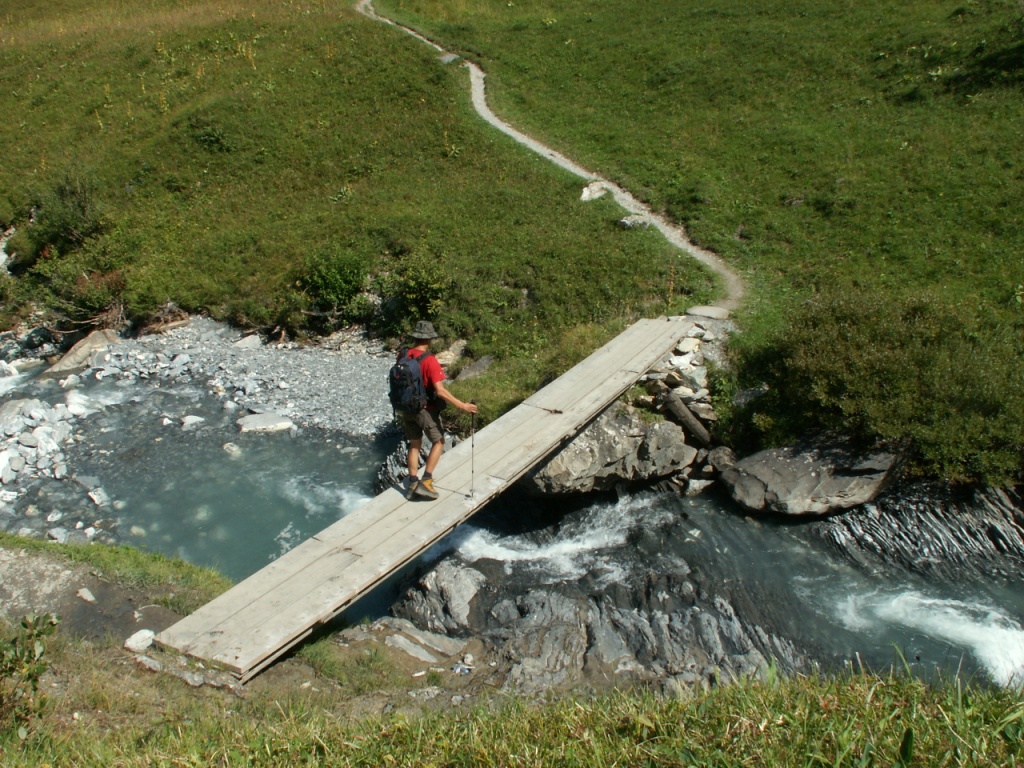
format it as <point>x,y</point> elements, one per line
<point>850,720</point>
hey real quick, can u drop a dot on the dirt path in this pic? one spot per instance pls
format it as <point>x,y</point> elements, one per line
<point>596,185</point>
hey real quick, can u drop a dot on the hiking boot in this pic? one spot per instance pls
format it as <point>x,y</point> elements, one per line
<point>425,488</point>
<point>410,492</point>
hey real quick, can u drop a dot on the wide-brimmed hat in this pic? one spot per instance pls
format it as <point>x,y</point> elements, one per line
<point>424,330</point>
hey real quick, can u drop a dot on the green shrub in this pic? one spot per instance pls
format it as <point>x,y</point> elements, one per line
<point>414,285</point>
<point>68,214</point>
<point>333,278</point>
<point>943,378</point>
<point>21,667</point>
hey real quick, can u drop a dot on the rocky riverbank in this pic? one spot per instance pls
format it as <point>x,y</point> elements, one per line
<point>336,385</point>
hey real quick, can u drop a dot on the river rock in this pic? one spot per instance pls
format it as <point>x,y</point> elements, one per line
<point>80,354</point>
<point>13,414</point>
<point>264,422</point>
<point>618,446</point>
<point>809,479</point>
<point>442,599</point>
<point>253,341</point>
<point>548,646</point>
<point>657,629</point>
<point>936,532</point>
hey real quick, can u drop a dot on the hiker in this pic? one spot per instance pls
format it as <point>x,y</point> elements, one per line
<point>426,420</point>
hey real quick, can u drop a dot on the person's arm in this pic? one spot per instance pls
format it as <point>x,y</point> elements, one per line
<point>442,391</point>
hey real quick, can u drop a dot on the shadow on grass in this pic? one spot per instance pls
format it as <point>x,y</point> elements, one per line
<point>1002,68</point>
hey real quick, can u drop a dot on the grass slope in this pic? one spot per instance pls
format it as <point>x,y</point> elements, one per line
<point>295,164</point>
<point>858,161</point>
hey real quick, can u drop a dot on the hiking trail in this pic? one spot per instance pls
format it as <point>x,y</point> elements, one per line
<point>674,233</point>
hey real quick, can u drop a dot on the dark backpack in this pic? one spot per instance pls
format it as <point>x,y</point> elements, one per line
<point>405,384</point>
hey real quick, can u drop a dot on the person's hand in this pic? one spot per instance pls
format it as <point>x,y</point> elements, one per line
<point>469,407</point>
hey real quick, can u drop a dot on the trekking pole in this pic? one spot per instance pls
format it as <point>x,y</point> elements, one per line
<point>472,452</point>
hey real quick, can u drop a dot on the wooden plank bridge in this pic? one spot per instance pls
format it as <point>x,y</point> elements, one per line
<point>253,623</point>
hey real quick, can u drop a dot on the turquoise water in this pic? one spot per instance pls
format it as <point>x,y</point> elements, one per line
<point>778,576</point>
<point>209,494</point>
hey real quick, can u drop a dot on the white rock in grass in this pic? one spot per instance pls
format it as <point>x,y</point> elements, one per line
<point>140,641</point>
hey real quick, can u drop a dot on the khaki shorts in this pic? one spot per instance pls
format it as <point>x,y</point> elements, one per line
<point>425,422</point>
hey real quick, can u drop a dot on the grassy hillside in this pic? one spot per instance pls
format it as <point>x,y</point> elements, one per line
<point>294,165</point>
<point>859,162</point>
<point>299,166</point>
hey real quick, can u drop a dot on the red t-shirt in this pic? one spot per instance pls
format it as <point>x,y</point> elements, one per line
<point>432,374</point>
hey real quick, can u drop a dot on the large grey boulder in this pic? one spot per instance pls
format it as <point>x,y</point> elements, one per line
<point>618,446</point>
<point>812,479</point>
<point>442,601</point>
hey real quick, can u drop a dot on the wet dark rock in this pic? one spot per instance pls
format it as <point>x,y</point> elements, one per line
<point>36,338</point>
<point>935,532</point>
<point>652,631</point>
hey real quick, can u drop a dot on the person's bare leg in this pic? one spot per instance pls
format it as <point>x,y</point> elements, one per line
<point>433,457</point>
<point>412,461</point>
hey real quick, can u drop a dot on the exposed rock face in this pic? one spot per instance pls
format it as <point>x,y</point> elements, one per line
<point>442,601</point>
<point>808,479</point>
<point>661,631</point>
<point>618,446</point>
<point>548,644</point>
<point>935,533</point>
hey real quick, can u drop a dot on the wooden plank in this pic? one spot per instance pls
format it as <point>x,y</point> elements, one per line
<point>327,598</point>
<point>286,567</point>
<point>257,620</point>
<point>272,618</point>
<point>228,603</point>
<point>629,355</point>
<point>233,644</point>
<point>221,631</point>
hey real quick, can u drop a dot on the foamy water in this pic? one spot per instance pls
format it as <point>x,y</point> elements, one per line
<point>580,547</point>
<point>992,637</point>
<point>321,499</point>
<point>11,382</point>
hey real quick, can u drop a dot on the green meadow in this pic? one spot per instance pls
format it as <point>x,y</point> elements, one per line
<point>859,163</point>
<point>296,167</point>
